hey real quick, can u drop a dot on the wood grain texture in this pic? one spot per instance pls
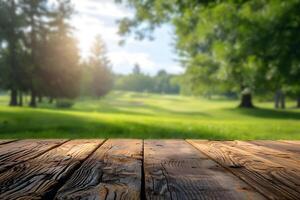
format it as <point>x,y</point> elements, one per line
<point>264,149</point>
<point>295,142</point>
<point>36,178</point>
<point>280,146</point>
<point>114,171</point>
<point>174,169</point>
<point>23,150</point>
<point>6,141</point>
<point>271,179</point>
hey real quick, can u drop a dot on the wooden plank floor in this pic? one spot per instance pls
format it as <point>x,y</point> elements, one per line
<point>149,169</point>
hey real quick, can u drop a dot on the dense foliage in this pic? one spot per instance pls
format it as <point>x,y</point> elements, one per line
<point>39,54</point>
<point>240,46</point>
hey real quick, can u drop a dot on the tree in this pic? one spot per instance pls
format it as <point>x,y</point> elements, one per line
<point>11,25</point>
<point>61,71</point>
<point>136,69</point>
<point>275,43</point>
<point>163,83</point>
<point>242,38</point>
<point>35,13</point>
<point>102,79</point>
<point>38,53</point>
<point>200,30</point>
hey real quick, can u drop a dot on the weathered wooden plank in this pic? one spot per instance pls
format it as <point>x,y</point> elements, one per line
<point>271,179</point>
<point>114,171</point>
<point>278,145</point>
<point>285,159</point>
<point>23,150</point>
<point>295,142</point>
<point>292,150</point>
<point>39,177</point>
<point>6,141</point>
<point>174,169</point>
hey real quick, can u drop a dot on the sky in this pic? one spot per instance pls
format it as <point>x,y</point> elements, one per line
<point>95,17</point>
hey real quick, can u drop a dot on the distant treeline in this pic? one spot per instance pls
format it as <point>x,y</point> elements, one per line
<point>138,81</point>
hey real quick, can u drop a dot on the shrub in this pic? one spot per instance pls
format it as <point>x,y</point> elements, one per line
<point>64,103</point>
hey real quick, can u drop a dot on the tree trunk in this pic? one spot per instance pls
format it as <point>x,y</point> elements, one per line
<point>246,101</point>
<point>298,102</point>
<point>282,102</point>
<point>12,40</point>
<point>40,99</point>
<point>279,99</point>
<point>13,97</point>
<point>33,99</point>
<point>20,99</point>
<point>50,100</point>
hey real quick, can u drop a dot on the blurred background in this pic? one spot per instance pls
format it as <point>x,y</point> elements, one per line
<point>150,69</point>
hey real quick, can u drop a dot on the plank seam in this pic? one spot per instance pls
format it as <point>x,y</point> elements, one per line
<point>53,191</point>
<point>7,142</point>
<point>41,153</point>
<point>231,172</point>
<point>143,189</point>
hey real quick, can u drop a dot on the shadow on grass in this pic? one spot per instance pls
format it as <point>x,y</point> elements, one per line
<point>104,130</point>
<point>158,109</point>
<point>40,124</point>
<point>121,107</point>
<point>267,113</point>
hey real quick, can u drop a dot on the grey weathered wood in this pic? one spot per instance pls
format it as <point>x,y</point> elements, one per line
<point>270,178</point>
<point>174,169</point>
<point>23,150</point>
<point>36,178</point>
<point>114,171</point>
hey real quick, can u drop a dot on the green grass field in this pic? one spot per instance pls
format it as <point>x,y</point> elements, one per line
<point>137,115</point>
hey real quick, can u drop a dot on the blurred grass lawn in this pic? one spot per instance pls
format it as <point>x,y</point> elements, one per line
<point>138,115</point>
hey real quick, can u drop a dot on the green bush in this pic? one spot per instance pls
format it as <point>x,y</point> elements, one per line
<point>64,103</point>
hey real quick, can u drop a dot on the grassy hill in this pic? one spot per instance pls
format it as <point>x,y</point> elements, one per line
<point>137,115</point>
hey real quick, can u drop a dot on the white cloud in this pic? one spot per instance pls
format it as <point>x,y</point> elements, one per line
<point>95,17</point>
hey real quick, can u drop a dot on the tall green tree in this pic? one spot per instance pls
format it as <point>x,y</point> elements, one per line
<point>136,69</point>
<point>35,12</point>
<point>11,24</point>
<point>61,71</point>
<point>102,78</point>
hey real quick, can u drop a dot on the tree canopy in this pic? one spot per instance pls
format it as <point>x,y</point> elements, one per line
<point>242,46</point>
<point>39,54</point>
